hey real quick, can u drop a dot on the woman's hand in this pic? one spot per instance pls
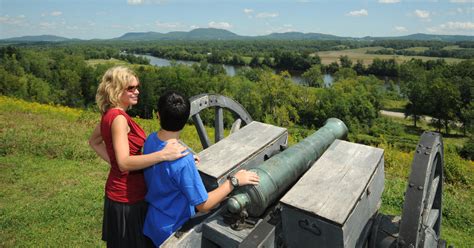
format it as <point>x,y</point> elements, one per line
<point>173,150</point>
<point>246,177</point>
<point>97,144</point>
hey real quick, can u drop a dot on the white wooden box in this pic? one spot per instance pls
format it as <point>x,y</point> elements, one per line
<point>244,149</point>
<point>334,200</point>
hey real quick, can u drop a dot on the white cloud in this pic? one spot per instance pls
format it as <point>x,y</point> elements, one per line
<point>466,28</point>
<point>362,12</point>
<point>423,14</point>
<point>389,1</point>
<point>139,2</point>
<point>458,26</point>
<point>135,2</point>
<point>400,29</point>
<point>462,1</point>
<point>16,21</point>
<point>248,11</point>
<point>267,15</point>
<point>223,25</point>
<point>56,13</point>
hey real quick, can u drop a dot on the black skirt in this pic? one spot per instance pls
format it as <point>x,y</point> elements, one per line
<point>123,224</point>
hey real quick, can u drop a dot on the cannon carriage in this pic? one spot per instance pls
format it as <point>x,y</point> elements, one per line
<point>321,192</point>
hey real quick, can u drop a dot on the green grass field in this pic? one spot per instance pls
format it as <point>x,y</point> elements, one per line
<point>52,184</point>
<point>328,57</point>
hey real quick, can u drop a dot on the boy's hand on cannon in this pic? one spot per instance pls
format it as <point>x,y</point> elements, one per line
<point>246,177</point>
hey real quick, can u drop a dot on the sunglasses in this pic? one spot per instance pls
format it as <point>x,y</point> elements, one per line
<point>133,88</point>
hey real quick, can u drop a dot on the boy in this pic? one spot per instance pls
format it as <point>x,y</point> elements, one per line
<point>175,188</point>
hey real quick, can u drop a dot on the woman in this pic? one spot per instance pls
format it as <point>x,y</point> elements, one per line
<point>119,140</point>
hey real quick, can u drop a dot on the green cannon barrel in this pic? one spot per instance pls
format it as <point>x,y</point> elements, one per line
<point>282,170</point>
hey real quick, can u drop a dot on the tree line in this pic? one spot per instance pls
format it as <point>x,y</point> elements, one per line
<point>61,75</point>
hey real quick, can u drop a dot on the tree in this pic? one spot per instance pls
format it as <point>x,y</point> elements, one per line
<point>38,90</point>
<point>255,62</point>
<point>345,61</point>
<point>359,67</point>
<point>332,68</point>
<point>344,73</point>
<point>444,100</point>
<point>313,76</point>
<point>414,87</point>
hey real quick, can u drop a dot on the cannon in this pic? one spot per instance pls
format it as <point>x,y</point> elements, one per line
<point>321,192</point>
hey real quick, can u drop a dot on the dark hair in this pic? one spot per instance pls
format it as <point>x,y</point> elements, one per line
<point>174,111</point>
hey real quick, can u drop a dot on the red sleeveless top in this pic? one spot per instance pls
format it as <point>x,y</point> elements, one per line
<point>128,186</point>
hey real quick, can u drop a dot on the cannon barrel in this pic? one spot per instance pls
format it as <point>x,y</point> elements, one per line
<point>282,170</point>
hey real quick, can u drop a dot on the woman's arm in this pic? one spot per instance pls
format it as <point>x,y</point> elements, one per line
<point>97,144</point>
<point>173,150</point>
<point>216,196</point>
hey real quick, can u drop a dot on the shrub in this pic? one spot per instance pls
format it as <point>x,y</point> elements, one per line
<point>467,151</point>
<point>456,170</point>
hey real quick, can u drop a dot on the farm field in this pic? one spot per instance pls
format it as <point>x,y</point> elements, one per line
<point>328,57</point>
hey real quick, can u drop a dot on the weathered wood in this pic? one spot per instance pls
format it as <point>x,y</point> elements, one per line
<point>201,130</point>
<point>432,218</point>
<point>219,124</point>
<point>432,193</point>
<point>339,193</point>
<point>236,125</point>
<point>239,149</point>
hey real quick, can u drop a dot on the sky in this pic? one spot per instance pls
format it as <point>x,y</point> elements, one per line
<point>105,19</point>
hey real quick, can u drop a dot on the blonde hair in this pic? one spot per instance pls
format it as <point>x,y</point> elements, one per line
<point>110,89</point>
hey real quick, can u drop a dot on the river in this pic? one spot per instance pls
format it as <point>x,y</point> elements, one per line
<point>231,70</point>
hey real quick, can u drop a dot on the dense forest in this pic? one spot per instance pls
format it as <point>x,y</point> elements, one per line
<point>62,74</point>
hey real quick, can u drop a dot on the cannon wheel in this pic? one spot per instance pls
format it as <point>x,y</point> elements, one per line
<point>421,217</point>
<point>203,101</point>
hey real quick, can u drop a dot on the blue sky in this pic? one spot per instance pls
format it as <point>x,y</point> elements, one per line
<point>87,19</point>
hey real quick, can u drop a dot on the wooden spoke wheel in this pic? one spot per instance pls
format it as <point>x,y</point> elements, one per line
<point>421,217</point>
<point>219,102</point>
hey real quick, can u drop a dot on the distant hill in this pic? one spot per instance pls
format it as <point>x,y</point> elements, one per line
<point>221,34</point>
<point>419,36</point>
<point>302,36</point>
<point>195,34</point>
<point>38,38</point>
<point>141,36</point>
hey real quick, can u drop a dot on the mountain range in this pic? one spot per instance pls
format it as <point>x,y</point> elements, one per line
<point>221,34</point>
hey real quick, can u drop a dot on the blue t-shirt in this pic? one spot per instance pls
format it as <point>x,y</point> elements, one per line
<point>174,189</point>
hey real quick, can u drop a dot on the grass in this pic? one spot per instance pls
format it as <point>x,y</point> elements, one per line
<point>394,105</point>
<point>52,184</point>
<point>417,49</point>
<point>111,61</point>
<point>328,57</point>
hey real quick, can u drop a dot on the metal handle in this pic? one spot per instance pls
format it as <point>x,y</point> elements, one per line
<point>310,227</point>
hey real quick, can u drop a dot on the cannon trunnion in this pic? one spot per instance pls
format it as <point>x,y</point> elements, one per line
<point>321,192</point>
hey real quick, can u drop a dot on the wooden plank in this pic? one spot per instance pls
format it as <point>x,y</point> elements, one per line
<point>222,157</point>
<point>201,130</point>
<point>431,196</point>
<point>219,124</point>
<point>335,183</point>
<point>365,208</point>
<point>432,218</point>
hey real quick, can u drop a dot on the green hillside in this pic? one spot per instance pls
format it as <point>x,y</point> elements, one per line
<point>52,184</point>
